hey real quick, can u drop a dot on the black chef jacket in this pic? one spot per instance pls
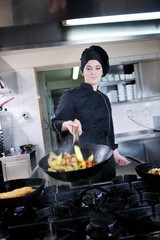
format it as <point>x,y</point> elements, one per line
<point>92,109</point>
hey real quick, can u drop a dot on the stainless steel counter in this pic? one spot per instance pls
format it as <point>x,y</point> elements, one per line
<point>18,153</point>
<point>143,145</point>
<point>137,135</point>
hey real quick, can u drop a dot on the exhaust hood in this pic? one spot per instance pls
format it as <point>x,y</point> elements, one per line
<point>33,24</point>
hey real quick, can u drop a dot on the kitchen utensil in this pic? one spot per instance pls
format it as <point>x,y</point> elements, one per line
<point>142,171</point>
<point>129,92</point>
<point>143,168</point>
<point>26,147</point>
<point>102,155</point>
<point>36,183</point>
<point>76,137</point>
<point>1,105</point>
<point>121,92</point>
<point>137,160</point>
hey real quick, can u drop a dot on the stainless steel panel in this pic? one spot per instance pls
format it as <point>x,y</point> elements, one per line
<point>149,77</point>
<point>22,12</point>
<point>37,23</point>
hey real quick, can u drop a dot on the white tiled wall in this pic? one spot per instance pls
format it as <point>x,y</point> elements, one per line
<point>26,131</point>
<point>143,113</point>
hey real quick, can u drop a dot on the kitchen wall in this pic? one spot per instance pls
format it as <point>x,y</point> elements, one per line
<point>143,112</point>
<point>25,130</point>
<point>27,63</point>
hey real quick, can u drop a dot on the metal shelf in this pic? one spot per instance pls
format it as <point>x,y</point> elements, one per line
<point>107,83</point>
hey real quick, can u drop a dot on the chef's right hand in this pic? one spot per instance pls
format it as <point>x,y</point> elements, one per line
<point>71,125</point>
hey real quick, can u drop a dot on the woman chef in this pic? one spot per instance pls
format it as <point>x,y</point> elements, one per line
<point>88,109</point>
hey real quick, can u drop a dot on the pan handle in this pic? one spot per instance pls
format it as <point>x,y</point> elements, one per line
<point>34,171</point>
<point>76,137</point>
<point>135,159</point>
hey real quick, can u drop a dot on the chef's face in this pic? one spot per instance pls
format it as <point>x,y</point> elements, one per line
<point>92,73</point>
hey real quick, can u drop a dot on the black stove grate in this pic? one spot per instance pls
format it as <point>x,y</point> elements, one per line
<point>127,208</point>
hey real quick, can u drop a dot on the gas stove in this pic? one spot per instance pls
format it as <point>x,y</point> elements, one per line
<point>126,208</point>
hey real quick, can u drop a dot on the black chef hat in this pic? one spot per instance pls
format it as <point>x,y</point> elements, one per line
<point>95,53</point>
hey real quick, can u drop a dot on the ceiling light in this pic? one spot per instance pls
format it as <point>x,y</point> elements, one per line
<point>112,19</point>
<point>75,73</point>
<point>98,36</point>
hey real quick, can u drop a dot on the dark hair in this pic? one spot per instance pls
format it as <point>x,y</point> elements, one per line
<point>95,53</point>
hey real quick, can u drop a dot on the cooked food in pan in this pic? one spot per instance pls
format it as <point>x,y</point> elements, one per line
<point>155,171</point>
<point>69,162</point>
<point>18,192</point>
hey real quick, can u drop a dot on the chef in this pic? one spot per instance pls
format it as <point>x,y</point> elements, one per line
<point>89,110</point>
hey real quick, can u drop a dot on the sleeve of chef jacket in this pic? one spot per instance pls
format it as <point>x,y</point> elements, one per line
<point>111,133</point>
<point>64,112</point>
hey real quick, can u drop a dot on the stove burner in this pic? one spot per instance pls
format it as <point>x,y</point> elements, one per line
<point>103,226</point>
<point>4,235</point>
<point>153,235</point>
<point>94,198</point>
<point>18,215</point>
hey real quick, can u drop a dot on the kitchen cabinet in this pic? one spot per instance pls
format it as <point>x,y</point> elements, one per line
<point>134,149</point>
<point>152,148</point>
<point>18,166</point>
<point>147,75</point>
<point>144,148</point>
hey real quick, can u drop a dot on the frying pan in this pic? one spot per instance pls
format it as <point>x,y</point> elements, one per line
<point>102,155</point>
<point>36,183</point>
<point>143,168</point>
<point>142,171</point>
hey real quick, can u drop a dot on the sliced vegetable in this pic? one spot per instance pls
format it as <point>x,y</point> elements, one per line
<point>69,162</point>
<point>78,153</point>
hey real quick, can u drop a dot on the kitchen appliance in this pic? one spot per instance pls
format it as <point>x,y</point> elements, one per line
<point>19,164</point>
<point>126,208</point>
<point>6,129</point>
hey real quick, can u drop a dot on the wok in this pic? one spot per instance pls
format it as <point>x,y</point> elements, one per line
<point>35,183</point>
<point>102,155</point>
<point>143,168</point>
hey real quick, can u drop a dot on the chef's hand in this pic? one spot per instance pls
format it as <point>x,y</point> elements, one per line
<point>119,159</point>
<point>71,125</point>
